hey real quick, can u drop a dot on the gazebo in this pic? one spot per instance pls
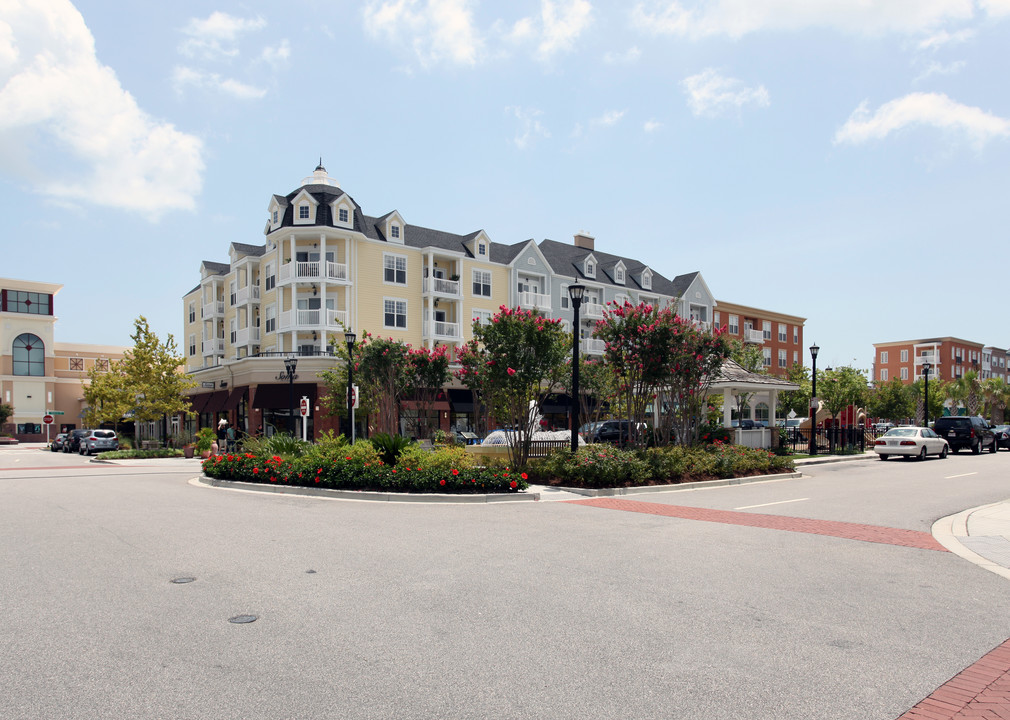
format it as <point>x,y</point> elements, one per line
<point>732,380</point>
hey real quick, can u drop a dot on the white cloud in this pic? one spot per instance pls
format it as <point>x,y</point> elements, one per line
<point>710,94</point>
<point>529,128</point>
<point>996,8</point>
<point>652,125</point>
<point>625,58</point>
<point>436,30</point>
<point>935,68</point>
<point>942,37</point>
<point>929,109</point>
<point>278,54</point>
<point>53,88</point>
<point>215,37</point>
<point>563,22</point>
<point>736,18</point>
<point>609,118</point>
<point>185,76</point>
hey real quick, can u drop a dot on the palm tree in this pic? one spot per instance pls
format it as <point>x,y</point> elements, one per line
<point>997,396</point>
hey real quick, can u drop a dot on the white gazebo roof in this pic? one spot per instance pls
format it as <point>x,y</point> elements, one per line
<point>733,377</point>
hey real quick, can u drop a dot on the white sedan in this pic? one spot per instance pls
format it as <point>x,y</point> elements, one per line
<point>910,442</point>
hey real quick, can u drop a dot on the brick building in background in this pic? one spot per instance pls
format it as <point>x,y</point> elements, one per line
<point>949,357</point>
<point>780,336</point>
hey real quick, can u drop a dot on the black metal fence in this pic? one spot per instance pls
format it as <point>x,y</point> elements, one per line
<point>830,440</point>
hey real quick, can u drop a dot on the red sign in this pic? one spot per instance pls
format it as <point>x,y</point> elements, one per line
<point>305,407</point>
<point>48,419</point>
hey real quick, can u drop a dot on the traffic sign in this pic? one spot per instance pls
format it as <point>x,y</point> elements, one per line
<point>304,407</point>
<point>48,419</point>
<point>55,412</point>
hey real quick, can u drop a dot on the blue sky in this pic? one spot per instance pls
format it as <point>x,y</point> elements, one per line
<point>839,160</point>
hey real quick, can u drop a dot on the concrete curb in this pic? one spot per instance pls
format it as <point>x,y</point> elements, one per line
<point>680,487</point>
<point>948,529</point>
<point>362,495</point>
<point>835,459</point>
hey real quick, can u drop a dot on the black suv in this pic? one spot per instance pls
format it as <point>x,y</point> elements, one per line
<point>72,442</point>
<point>966,432</point>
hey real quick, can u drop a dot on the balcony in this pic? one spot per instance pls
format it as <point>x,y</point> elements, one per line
<point>443,330</point>
<point>213,347</point>
<point>248,294</point>
<point>756,337</point>
<point>247,336</point>
<point>592,346</point>
<point>312,320</point>
<point>314,271</point>
<point>538,301</point>
<point>592,310</point>
<point>213,309</point>
<point>701,325</point>
<point>928,357</point>
<point>441,287</point>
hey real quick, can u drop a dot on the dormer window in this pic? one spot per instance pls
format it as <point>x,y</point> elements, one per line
<point>619,274</point>
<point>482,248</point>
<point>394,231</point>
<point>647,280</point>
<point>590,269</point>
<point>342,215</point>
<point>275,217</point>
<point>303,212</point>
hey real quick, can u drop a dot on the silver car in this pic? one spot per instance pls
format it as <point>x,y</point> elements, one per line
<point>97,441</point>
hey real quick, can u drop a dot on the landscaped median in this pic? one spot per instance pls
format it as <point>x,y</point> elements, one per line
<point>451,470</point>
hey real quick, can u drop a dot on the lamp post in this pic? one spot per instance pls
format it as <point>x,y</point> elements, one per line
<point>290,364</point>
<point>576,293</point>
<point>926,367</point>
<point>813,399</point>
<point>350,337</point>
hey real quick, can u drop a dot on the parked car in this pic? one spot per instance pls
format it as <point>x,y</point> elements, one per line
<point>72,442</point>
<point>793,428</point>
<point>882,427</point>
<point>745,424</point>
<point>97,441</point>
<point>963,431</point>
<point>617,432</point>
<point>1002,433</point>
<point>57,443</point>
<point>909,442</point>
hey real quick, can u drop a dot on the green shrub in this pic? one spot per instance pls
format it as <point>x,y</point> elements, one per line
<point>139,454</point>
<point>279,444</point>
<point>389,446</point>
<point>593,466</point>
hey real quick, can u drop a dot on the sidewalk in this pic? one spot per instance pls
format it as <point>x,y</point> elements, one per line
<point>980,535</point>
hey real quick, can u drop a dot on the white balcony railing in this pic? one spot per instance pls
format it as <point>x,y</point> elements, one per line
<point>314,271</point>
<point>927,357</point>
<point>213,309</point>
<point>311,319</point>
<point>592,310</point>
<point>592,346</point>
<point>442,287</point>
<point>443,330</point>
<point>213,347</point>
<point>250,293</point>
<point>535,300</point>
<point>754,336</point>
<point>247,336</point>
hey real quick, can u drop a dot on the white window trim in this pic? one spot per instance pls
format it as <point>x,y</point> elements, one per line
<point>406,269</point>
<point>473,279</point>
<point>406,313</point>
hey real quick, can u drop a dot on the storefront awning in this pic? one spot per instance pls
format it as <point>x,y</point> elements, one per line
<point>216,401</point>
<point>279,396</point>
<point>234,399</point>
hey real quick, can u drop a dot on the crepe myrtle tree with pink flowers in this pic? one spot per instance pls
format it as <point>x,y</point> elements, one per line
<point>381,371</point>
<point>427,372</point>
<point>658,356</point>
<point>514,360</point>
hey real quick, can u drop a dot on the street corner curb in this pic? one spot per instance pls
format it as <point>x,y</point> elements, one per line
<point>948,530</point>
<point>835,459</point>
<point>365,496</point>
<point>680,487</point>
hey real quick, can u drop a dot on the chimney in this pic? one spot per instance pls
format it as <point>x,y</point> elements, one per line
<point>584,240</point>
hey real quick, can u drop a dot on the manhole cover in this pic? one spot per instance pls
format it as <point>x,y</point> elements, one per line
<point>240,619</point>
<point>310,572</point>
<point>182,580</point>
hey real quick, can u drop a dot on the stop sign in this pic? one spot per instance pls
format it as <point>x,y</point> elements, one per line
<point>48,419</point>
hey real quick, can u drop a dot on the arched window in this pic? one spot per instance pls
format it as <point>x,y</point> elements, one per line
<point>29,355</point>
<point>761,412</point>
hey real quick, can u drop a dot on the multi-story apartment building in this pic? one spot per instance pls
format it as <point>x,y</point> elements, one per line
<point>779,336</point>
<point>325,266</point>
<point>994,361</point>
<point>39,375</point>
<point>949,358</point>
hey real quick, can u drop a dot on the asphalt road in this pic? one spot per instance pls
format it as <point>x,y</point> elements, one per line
<point>524,610</point>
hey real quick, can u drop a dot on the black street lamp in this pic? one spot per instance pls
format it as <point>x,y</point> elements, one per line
<point>576,293</point>
<point>926,367</point>
<point>813,399</point>
<point>290,364</point>
<point>350,337</point>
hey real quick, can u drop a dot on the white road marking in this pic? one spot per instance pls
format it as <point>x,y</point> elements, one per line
<point>951,477</point>
<point>780,502</point>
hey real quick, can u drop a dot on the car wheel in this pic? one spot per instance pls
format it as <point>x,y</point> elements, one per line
<point>976,448</point>
<point>943,453</point>
<point>922,453</point>
<point>993,448</point>
<point>883,457</point>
